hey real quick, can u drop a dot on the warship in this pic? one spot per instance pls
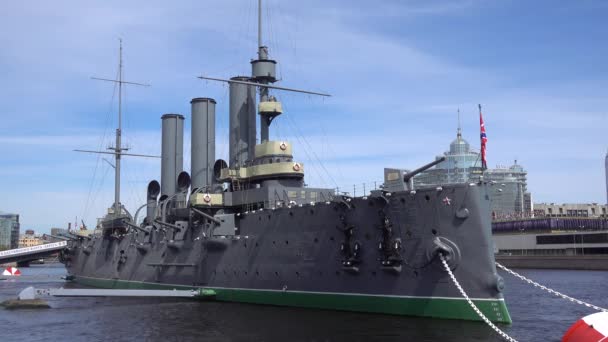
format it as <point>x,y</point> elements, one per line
<point>250,230</point>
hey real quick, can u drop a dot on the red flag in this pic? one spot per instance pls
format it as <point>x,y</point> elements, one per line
<point>484,140</point>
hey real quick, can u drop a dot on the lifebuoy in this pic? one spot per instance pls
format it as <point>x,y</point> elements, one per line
<point>296,167</point>
<point>283,146</point>
<point>207,198</point>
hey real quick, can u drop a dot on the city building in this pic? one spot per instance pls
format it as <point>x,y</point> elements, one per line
<point>606,169</point>
<point>593,210</point>
<point>58,231</point>
<point>509,196</point>
<point>30,239</point>
<point>9,231</point>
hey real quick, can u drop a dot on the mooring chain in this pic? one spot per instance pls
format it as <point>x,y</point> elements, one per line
<point>473,306</point>
<point>559,294</point>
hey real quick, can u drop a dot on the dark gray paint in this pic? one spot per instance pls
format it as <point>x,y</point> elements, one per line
<point>242,132</point>
<point>299,248</point>
<point>172,152</point>
<point>202,142</point>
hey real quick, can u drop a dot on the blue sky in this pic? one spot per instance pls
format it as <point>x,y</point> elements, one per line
<point>398,71</point>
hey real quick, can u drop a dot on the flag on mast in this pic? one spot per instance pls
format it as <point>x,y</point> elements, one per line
<point>484,140</point>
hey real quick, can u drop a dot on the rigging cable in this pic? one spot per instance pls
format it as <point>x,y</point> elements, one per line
<point>89,201</point>
<point>305,149</point>
<point>312,151</point>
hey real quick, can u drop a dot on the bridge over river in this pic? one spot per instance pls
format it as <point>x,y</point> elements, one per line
<point>23,256</point>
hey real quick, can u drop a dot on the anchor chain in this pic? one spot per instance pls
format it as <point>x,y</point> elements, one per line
<point>559,294</point>
<point>473,306</point>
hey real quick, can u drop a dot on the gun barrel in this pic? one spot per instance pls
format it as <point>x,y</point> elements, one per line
<point>411,174</point>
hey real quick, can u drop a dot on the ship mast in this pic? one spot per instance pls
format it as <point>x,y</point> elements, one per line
<point>259,27</point>
<point>263,75</point>
<point>267,66</point>
<point>117,149</point>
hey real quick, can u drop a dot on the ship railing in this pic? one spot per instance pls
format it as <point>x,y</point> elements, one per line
<point>358,189</point>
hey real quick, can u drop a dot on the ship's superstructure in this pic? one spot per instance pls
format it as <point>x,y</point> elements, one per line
<point>251,231</point>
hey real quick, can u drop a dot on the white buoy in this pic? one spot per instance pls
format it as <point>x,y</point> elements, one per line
<point>592,328</point>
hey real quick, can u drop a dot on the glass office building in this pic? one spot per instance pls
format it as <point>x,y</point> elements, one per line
<point>509,194</point>
<point>9,231</point>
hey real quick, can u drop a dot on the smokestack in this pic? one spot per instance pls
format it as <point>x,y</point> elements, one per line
<point>153,192</point>
<point>172,154</point>
<point>203,142</point>
<point>242,122</point>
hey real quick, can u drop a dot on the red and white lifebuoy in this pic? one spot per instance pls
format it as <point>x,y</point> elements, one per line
<point>589,328</point>
<point>296,167</point>
<point>11,271</point>
<point>207,198</point>
<point>283,146</point>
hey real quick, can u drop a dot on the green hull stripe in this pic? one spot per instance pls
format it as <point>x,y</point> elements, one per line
<point>436,307</point>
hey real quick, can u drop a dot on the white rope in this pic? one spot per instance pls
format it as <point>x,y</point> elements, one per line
<point>475,308</point>
<point>561,295</point>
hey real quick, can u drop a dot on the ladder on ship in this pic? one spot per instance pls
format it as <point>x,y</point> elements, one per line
<point>236,184</point>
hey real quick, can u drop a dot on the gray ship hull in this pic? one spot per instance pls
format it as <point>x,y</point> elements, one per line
<point>371,254</point>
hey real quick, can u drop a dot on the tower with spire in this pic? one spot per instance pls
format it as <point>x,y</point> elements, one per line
<point>462,165</point>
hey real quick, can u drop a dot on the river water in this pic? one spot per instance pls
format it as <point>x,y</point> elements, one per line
<point>537,316</point>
